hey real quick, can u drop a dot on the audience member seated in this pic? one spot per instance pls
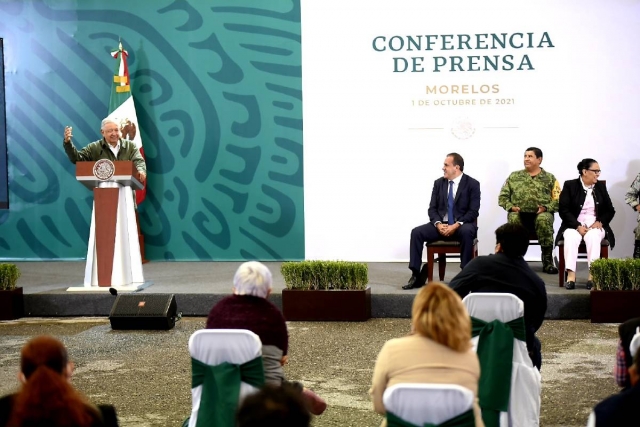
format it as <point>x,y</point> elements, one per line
<point>46,397</point>
<point>620,410</point>
<point>624,356</point>
<point>280,406</point>
<point>507,272</point>
<point>586,211</point>
<point>438,350</point>
<point>248,308</point>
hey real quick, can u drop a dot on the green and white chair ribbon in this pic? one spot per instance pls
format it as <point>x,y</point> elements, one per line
<point>495,353</point>
<point>466,419</point>
<point>222,359</point>
<point>428,404</point>
<point>221,389</point>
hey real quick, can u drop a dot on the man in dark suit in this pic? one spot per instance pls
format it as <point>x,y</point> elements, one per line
<point>453,210</point>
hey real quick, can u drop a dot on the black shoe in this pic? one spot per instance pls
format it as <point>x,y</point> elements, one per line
<point>570,285</point>
<point>589,284</point>
<point>413,283</point>
<point>547,260</point>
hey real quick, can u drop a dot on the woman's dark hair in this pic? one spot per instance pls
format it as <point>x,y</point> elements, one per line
<point>47,398</point>
<point>585,164</point>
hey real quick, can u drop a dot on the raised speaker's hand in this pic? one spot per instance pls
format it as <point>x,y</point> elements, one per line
<point>68,134</point>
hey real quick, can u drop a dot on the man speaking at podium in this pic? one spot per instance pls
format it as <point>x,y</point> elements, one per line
<point>111,147</point>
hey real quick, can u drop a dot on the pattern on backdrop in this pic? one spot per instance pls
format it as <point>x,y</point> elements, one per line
<point>217,87</point>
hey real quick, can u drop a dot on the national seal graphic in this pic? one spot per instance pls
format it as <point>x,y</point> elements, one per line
<point>462,128</point>
<point>103,169</point>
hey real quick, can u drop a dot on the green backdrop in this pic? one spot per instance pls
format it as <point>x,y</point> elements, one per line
<point>217,86</point>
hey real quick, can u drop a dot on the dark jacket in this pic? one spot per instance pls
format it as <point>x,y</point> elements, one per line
<point>571,200</point>
<point>256,314</point>
<point>504,274</point>
<point>466,204</point>
<point>619,410</point>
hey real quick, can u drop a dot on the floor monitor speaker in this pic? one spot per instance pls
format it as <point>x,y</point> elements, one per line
<point>143,311</point>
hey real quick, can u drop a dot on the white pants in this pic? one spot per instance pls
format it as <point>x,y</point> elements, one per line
<point>592,240</point>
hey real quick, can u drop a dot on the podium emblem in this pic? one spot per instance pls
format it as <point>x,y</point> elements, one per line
<point>103,169</point>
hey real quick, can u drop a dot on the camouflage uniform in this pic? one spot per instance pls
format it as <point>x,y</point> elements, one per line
<point>632,198</point>
<point>527,192</point>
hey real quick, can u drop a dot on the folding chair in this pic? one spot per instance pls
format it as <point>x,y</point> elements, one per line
<point>436,404</point>
<point>444,249</point>
<point>230,350</point>
<point>525,384</point>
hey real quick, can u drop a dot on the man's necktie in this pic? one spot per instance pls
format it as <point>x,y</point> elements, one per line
<point>450,204</point>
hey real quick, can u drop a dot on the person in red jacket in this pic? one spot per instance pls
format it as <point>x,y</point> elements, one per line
<point>248,308</point>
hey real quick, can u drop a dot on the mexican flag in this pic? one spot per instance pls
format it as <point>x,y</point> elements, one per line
<point>121,107</point>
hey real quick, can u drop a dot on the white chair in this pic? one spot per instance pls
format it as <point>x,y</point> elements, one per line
<point>427,403</point>
<point>635,344</point>
<point>591,422</point>
<point>524,399</point>
<point>216,346</point>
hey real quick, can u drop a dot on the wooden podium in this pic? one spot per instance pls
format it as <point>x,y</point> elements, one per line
<point>113,254</point>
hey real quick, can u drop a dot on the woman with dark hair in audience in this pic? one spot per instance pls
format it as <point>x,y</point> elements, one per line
<point>586,211</point>
<point>47,398</point>
<point>248,308</point>
<point>438,350</point>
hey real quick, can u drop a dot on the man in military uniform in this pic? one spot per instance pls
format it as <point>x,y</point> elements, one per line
<point>632,198</point>
<point>530,196</point>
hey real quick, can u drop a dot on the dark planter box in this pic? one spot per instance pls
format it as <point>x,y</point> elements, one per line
<point>327,305</point>
<point>11,304</point>
<point>614,306</point>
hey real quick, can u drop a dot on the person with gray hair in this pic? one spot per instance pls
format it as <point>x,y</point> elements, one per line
<point>252,278</point>
<point>248,308</point>
<point>111,147</point>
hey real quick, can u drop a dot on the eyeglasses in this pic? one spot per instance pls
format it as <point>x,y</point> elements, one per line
<point>596,171</point>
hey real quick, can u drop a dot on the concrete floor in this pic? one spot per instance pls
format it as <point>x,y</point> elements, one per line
<point>199,285</point>
<point>146,374</point>
<point>217,277</point>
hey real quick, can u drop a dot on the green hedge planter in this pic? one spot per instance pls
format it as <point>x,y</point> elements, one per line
<point>615,297</point>
<point>11,296</point>
<point>326,291</point>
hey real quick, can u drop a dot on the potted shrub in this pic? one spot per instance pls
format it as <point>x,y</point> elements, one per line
<point>615,297</point>
<point>11,297</point>
<point>326,290</point>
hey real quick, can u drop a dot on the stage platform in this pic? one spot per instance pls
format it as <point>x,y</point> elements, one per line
<point>199,285</point>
